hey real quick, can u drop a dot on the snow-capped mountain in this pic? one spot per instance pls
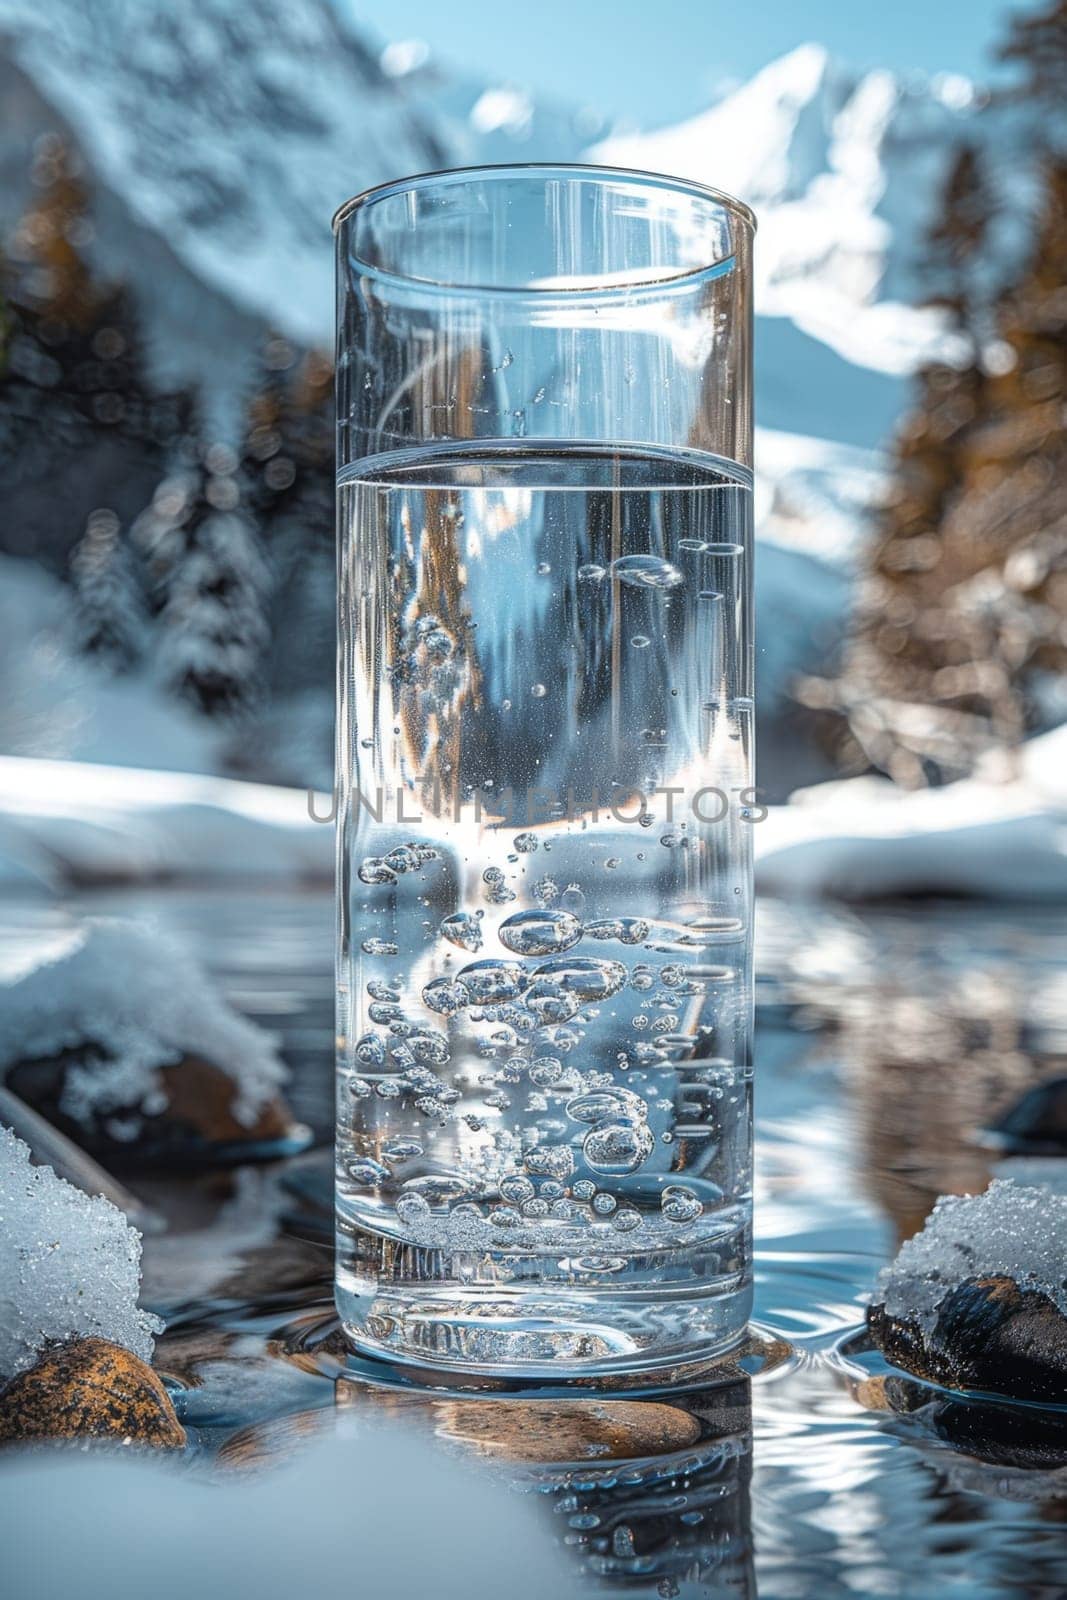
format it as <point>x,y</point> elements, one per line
<point>218,141</point>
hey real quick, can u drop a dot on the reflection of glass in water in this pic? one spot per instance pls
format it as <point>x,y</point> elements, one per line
<point>545,1062</point>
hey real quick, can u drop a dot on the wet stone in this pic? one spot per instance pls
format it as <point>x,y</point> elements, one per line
<point>988,1334</point>
<point>90,1388</point>
<point>1036,1125</point>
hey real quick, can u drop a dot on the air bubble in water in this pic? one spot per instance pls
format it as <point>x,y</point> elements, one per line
<point>600,1105</point>
<point>679,1204</point>
<point>543,569</point>
<point>370,1050</point>
<point>587,977</point>
<point>584,1189</point>
<point>412,1209</point>
<point>604,1204</point>
<point>640,641</point>
<point>573,900</point>
<point>616,1148</point>
<point>379,947</point>
<point>538,691</point>
<point>446,996</point>
<point>591,573</point>
<point>539,933</point>
<point>505,1217</point>
<point>359,1088</point>
<point>439,1190</point>
<point>525,843</point>
<point>402,859</point>
<point>372,869</point>
<point>389,1089</point>
<point>463,930</point>
<point>550,1002</point>
<point>646,572</point>
<point>627,930</point>
<point>429,1046</point>
<point>550,1161</point>
<point>365,1171</point>
<point>516,1189</point>
<point>546,1072</point>
<point>626,1220</point>
<point>488,982</point>
<point>402,1150</point>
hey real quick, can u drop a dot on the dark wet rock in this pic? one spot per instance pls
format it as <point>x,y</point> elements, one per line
<point>998,1433</point>
<point>196,1127</point>
<point>90,1389</point>
<point>1036,1125</point>
<point>989,1335</point>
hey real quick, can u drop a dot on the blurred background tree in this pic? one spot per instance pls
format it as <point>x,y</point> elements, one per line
<point>959,640</point>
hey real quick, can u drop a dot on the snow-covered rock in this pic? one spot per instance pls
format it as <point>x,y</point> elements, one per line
<point>1001,834</point>
<point>138,996</point>
<point>69,1265</point>
<point>1009,1231</point>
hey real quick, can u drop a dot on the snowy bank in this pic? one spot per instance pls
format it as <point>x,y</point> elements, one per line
<point>997,836</point>
<point>73,822</point>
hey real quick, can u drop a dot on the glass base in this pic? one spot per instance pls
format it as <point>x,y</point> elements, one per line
<point>505,1317</point>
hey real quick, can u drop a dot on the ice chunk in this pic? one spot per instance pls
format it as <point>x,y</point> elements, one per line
<point>1011,1230</point>
<point>70,1265</point>
<point>137,994</point>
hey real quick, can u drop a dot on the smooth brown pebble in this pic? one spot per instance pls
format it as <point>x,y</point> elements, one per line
<point>90,1389</point>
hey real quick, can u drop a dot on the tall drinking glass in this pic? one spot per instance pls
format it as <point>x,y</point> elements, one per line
<point>544,769</point>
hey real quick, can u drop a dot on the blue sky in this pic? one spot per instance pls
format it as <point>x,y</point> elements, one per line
<point>653,61</point>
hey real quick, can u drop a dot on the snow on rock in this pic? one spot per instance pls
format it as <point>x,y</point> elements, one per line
<point>998,834</point>
<point>1008,1231</point>
<point>138,995</point>
<point>69,1265</point>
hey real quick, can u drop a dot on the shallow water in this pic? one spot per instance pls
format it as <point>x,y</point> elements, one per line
<point>883,1041</point>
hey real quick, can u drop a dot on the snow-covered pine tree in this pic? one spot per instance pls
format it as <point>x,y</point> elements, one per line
<point>214,631</point>
<point>111,618</point>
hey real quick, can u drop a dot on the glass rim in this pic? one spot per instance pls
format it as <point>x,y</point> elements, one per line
<point>443,177</point>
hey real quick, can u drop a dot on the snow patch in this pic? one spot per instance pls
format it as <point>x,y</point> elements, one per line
<point>69,1265</point>
<point>1000,834</point>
